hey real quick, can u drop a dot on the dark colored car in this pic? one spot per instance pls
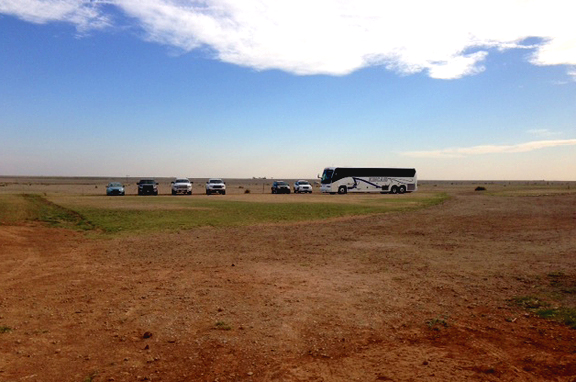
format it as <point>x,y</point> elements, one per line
<point>147,187</point>
<point>280,187</point>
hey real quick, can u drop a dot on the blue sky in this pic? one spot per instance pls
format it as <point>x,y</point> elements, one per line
<point>221,89</point>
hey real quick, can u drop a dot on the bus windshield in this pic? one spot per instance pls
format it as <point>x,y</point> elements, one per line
<point>327,176</point>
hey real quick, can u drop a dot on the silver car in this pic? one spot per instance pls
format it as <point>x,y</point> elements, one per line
<point>215,186</point>
<point>115,188</point>
<point>302,186</point>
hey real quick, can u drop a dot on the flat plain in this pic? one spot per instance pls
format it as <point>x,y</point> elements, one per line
<point>444,284</point>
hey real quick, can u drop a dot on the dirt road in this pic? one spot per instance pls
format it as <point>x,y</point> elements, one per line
<point>419,296</point>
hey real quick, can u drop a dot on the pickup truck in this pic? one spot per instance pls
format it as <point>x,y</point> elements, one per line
<point>147,187</point>
<point>182,186</point>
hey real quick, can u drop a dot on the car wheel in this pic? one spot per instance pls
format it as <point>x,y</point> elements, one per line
<point>402,189</point>
<point>342,190</point>
<point>223,192</point>
<point>173,192</point>
<point>189,192</point>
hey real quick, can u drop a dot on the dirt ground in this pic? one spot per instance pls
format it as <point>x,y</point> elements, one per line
<point>419,296</point>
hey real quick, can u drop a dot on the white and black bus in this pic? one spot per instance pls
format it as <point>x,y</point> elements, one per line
<point>384,180</point>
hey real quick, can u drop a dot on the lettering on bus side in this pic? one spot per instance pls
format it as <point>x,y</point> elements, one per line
<point>378,179</point>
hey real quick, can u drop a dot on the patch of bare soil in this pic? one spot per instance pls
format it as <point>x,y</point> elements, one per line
<point>397,297</point>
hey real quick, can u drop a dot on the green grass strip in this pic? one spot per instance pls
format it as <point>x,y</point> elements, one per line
<point>186,213</point>
<point>140,215</point>
<point>21,208</point>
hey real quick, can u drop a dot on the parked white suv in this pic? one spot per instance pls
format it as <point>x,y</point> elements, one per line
<point>182,186</point>
<point>215,186</point>
<point>302,186</point>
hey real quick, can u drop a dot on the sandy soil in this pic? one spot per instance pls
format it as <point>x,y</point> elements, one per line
<point>420,296</point>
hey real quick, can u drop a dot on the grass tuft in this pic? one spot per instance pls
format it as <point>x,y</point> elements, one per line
<point>567,316</point>
<point>437,323</point>
<point>558,304</point>
<point>91,377</point>
<point>529,302</point>
<point>221,325</point>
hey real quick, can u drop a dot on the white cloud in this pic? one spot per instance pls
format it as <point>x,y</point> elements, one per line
<point>458,66</point>
<point>543,132</point>
<point>490,149</point>
<point>445,38</point>
<point>572,73</point>
<point>84,14</point>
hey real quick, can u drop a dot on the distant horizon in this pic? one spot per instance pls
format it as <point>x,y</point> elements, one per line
<point>103,177</point>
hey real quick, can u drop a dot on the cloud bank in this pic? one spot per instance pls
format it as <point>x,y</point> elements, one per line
<point>445,39</point>
<point>489,149</point>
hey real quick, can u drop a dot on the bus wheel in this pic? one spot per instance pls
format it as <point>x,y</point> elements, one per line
<point>402,189</point>
<point>342,190</point>
<point>394,190</point>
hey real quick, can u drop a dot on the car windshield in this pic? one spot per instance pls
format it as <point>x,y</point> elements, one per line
<point>282,183</point>
<point>216,181</point>
<point>182,181</point>
<point>303,183</point>
<point>327,176</point>
<point>147,181</point>
<point>114,185</point>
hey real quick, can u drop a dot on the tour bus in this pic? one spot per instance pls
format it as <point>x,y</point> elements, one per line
<point>384,180</point>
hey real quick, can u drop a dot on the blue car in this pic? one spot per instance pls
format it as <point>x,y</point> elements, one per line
<point>115,189</point>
